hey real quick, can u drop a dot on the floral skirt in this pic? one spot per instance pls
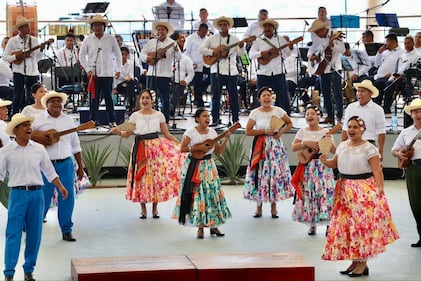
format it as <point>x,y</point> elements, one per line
<point>361,224</point>
<point>161,180</point>
<point>318,186</point>
<point>273,179</point>
<point>209,207</point>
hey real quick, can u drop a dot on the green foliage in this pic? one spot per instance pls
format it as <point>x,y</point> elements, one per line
<point>94,159</point>
<point>231,159</point>
<point>125,154</point>
<point>4,193</point>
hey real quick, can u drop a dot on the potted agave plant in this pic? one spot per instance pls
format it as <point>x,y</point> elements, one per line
<point>94,159</point>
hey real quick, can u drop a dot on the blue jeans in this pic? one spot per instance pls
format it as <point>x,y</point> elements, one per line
<point>66,172</point>
<point>217,81</point>
<point>103,89</point>
<point>162,86</point>
<point>25,210</point>
<point>279,85</point>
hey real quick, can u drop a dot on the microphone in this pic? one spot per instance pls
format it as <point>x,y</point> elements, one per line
<point>48,46</point>
<point>169,10</point>
<point>306,22</point>
<point>133,34</point>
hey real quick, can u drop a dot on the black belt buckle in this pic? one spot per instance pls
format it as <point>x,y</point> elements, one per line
<point>27,187</point>
<point>59,160</point>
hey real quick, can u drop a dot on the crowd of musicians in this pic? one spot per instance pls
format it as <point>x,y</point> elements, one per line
<point>353,207</point>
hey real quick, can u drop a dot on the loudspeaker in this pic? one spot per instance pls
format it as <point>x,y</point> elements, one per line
<point>102,114</point>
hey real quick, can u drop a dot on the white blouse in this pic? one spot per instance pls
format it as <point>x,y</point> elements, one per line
<point>196,137</point>
<point>147,123</point>
<point>262,118</point>
<point>304,134</point>
<point>353,160</point>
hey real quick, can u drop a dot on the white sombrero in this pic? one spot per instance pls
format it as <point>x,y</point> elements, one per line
<point>98,19</point>
<point>415,104</point>
<point>269,21</point>
<point>230,21</point>
<point>21,21</point>
<point>167,25</point>
<point>5,102</point>
<point>367,84</point>
<point>17,119</point>
<point>53,94</point>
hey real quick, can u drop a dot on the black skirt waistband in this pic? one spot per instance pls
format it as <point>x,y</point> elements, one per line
<point>27,187</point>
<point>150,136</point>
<point>357,177</point>
<point>206,157</point>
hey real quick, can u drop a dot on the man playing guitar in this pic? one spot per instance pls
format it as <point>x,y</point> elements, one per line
<point>270,50</point>
<point>24,62</point>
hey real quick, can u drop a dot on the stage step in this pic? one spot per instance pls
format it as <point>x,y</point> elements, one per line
<point>203,267</point>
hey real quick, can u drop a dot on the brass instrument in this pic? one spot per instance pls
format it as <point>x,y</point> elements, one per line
<point>348,89</point>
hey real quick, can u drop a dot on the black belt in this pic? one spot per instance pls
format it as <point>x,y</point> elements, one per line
<point>416,162</point>
<point>60,160</point>
<point>357,177</point>
<point>27,187</point>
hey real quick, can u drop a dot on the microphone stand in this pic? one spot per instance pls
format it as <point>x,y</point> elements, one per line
<point>173,84</point>
<point>154,72</point>
<point>304,31</point>
<point>191,23</point>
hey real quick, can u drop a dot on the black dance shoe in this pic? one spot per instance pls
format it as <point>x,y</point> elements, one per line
<point>364,273</point>
<point>416,245</point>
<point>215,231</point>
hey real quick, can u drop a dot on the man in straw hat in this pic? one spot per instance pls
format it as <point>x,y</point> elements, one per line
<point>24,65</point>
<point>4,138</point>
<point>325,60</point>
<point>271,73</point>
<point>101,58</point>
<point>224,71</point>
<point>159,53</point>
<point>413,172</point>
<point>60,155</point>
<point>24,160</point>
<point>370,112</point>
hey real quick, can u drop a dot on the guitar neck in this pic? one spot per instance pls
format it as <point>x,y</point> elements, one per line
<point>409,146</point>
<point>163,50</point>
<point>69,131</point>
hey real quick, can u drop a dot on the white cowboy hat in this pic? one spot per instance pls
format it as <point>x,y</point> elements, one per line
<point>17,119</point>
<point>20,21</point>
<point>5,102</point>
<point>98,19</point>
<point>167,25</point>
<point>316,25</point>
<point>230,21</point>
<point>367,84</point>
<point>415,104</point>
<point>53,94</point>
<point>269,21</point>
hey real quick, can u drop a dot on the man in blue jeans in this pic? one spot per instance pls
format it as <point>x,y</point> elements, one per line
<point>24,160</point>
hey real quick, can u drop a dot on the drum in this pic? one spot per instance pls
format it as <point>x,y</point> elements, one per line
<point>80,29</point>
<point>58,29</point>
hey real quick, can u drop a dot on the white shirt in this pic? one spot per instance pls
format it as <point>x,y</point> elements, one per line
<point>373,116</point>
<point>29,110</point>
<point>228,65</point>
<point>353,160</point>
<point>406,60</point>
<point>163,68</point>
<point>25,164</point>
<point>275,66</point>
<point>176,14</point>
<point>127,70</point>
<point>67,57</point>
<point>100,55</point>
<point>388,62</point>
<point>291,70</point>
<point>184,70</point>
<point>5,139</point>
<point>147,123</point>
<point>405,137</point>
<point>196,137</point>
<point>209,23</point>
<point>192,49</point>
<point>30,65</point>
<point>6,74</point>
<point>262,119</point>
<point>253,29</point>
<point>68,144</point>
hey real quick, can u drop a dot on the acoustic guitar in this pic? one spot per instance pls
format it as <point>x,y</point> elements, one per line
<point>199,154</point>
<point>403,164</point>
<point>272,53</point>
<point>153,57</point>
<point>306,154</point>
<point>21,55</point>
<point>52,136</point>
<point>223,51</point>
<point>324,56</point>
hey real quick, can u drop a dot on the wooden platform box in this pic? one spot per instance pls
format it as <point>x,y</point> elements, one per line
<point>148,268</point>
<point>252,266</point>
<point>102,114</point>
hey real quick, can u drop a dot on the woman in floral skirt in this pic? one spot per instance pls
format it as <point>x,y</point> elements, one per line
<point>361,224</point>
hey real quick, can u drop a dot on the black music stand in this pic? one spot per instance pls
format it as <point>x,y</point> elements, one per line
<point>346,64</point>
<point>360,57</point>
<point>372,48</point>
<point>345,21</point>
<point>240,22</point>
<point>389,20</point>
<point>168,14</point>
<point>96,7</point>
<point>72,75</point>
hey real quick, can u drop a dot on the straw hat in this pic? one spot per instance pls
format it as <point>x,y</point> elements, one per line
<point>223,18</point>
<point>415,104</point>
<point>17,119</point>
<point>269,21</point>
<point>316,25</point>
<point>167,25</point>
<point>53,94</point>
<point>21,21</point>
<point>98,19</point>
<point>5,102</point>
<point>367,84</point>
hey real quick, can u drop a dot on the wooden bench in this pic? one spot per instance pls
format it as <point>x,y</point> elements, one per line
<point>146,268</point>
<point>197,267</point>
